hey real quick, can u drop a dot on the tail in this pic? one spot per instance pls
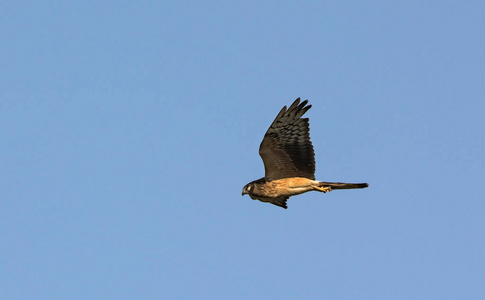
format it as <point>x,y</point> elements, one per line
<point>342,186</point>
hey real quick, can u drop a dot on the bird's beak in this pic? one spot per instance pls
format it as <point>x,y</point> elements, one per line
<point>243,192</point>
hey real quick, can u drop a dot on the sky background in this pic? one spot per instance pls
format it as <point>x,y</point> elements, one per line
<point>128,129</point>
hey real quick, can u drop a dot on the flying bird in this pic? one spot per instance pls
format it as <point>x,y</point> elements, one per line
<point>289,160</point>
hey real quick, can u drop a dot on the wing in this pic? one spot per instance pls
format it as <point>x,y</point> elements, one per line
<point>280,201</point>
<point>286,148</point>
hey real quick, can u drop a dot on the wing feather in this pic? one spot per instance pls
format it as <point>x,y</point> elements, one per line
<point>286,148</point>
<point>280,201</point>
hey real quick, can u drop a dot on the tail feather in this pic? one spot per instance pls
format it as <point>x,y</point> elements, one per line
<point>343,186</point>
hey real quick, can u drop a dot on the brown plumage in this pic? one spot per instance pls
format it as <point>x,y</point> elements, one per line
<point>289,160</point>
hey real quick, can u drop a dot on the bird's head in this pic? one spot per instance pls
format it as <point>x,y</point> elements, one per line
<point>247,189</point>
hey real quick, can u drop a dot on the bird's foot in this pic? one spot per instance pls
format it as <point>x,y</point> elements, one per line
<point>323,189</point>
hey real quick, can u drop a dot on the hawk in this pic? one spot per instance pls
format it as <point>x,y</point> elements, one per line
<point>289,160</point>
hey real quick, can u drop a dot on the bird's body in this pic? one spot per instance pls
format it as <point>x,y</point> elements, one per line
<point>289,160</point>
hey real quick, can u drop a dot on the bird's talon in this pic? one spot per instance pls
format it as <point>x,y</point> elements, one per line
<point>323,189</point>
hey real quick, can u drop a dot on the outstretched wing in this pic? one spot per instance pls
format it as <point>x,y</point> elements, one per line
<point>286,148</point>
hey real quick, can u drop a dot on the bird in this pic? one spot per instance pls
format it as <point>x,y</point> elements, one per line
<point>289,160</point>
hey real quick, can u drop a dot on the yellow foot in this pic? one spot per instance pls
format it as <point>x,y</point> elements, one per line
<point>323,189</point>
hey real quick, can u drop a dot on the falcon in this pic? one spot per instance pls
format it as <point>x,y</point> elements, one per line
<point>289,160</point>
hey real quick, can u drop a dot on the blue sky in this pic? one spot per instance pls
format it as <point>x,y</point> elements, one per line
<point>128,130</point>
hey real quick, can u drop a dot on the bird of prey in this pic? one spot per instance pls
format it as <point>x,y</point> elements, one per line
<point>289,160</point>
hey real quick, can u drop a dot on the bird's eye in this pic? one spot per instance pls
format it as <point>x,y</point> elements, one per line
<point>250,187</point>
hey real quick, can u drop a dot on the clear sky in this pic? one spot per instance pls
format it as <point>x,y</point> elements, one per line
<point>128,129</point>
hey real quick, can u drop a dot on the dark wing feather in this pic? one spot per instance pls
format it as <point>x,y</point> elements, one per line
<point>286,148</point>
<point>280,201</point>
